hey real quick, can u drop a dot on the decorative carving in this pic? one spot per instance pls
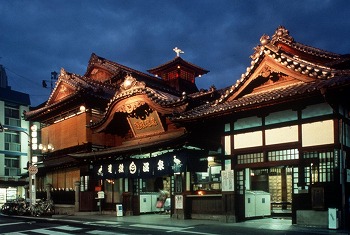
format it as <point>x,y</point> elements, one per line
<point>269,76</point>
<point>265,39</point>
<point>256,52</point>
<point>63,89</point>
<point>282,32</point>
<point>143,124</point>
<point>131,107</point>
<point>131,82</point>
<point>265,71</point>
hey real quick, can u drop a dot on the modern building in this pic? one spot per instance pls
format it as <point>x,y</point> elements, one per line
<point>14,139</point>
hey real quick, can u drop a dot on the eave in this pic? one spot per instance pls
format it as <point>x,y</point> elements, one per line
<point>135,94</point>
<point>140,145</point>
<point>282,95</point>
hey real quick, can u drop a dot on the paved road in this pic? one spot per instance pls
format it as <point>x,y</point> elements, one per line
<point>107,226</point>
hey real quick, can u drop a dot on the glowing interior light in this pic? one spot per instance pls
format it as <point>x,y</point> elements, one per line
<point>82,108</point>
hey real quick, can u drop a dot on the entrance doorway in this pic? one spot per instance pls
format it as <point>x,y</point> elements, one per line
<point>277,181</point>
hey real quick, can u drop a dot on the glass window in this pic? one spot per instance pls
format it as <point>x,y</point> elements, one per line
<point>12,115</point>
<point>227,127</point>
<point>295,180</point>
<point>209,180</point>
<point>12,141</point>
<point>282,155</point>
<point>322,170</point>
<point>12,166</point>
<point>84,183</point>
<point>250,158</point>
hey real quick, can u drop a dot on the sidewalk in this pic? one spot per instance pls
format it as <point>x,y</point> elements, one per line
<point>279,224</point>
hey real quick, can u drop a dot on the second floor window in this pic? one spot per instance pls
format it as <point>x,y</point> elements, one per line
<point>12,141</point>
<point>12,166</point>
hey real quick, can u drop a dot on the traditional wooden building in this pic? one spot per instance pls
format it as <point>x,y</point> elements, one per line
<point>275,142</point>
<point>110,131</point>
<point>285,135</point>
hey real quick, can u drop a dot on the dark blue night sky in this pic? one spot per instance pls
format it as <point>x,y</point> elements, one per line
<point>38,37</point>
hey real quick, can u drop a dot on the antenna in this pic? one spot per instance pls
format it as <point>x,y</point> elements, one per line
<point>52,79</point>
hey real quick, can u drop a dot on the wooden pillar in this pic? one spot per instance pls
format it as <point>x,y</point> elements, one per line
<point>77,192</point>
<point>180,197</point>
<point>48,191</point>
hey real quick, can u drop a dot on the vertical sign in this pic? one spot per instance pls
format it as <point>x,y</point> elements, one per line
<point>179,202</point>
<point>227,180</point>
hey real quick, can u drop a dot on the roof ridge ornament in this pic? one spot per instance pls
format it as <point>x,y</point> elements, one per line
<point>131,82</point>
<point>282,33</point>
<point>178,51</point>
<point>265,39</point>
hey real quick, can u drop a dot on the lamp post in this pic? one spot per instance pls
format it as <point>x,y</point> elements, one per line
<point>32,169</point>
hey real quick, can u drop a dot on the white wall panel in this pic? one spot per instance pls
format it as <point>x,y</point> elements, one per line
<point>281,135</point>
<point>227,145</point>
<point>318,133</point>
<point>247,140</point>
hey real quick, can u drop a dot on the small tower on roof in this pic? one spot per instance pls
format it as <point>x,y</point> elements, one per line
<point>179,73</point>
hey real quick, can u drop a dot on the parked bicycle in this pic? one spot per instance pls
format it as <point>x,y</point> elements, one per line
<point>21,207</point>
<point>42,207</point>
<point>16,207</point>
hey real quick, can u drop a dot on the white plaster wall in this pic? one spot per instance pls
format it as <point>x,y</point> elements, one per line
<point>227,145</point>
<point>318,133</point>
<point>247,140</point>
<point>281,135</point>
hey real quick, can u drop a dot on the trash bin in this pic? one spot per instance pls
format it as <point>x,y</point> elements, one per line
<point>119,209</point>
<point>333,218</point>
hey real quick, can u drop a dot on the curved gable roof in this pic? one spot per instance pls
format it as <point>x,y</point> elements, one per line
<point>297,68</point>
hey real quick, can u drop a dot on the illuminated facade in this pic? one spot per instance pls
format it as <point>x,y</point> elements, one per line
<point>274,142</point>
<point>110,131</point>
<point>284,132</point>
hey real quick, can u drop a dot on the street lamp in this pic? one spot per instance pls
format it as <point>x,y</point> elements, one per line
<point>32,169</point>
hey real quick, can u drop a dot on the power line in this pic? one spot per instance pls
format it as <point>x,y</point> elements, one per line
<point>28,80</point>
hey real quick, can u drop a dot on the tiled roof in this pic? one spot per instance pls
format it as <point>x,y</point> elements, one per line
<point>313,67</point>
<point>115,68</point>
<point>85,86</point>
<point>285,52</point>
<point>278,95</point>
<point>163,99</point>
<point>179,60</point>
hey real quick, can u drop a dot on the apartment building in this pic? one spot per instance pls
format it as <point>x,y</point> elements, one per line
<point>14,139</point>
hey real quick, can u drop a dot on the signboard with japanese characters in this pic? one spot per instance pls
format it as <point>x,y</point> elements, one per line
<point>148,167</point>
<point>179,202</point>
<point>147,124</point>
<point>227,180</point>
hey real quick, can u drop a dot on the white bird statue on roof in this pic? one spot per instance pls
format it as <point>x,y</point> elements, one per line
<point>178,51</point>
